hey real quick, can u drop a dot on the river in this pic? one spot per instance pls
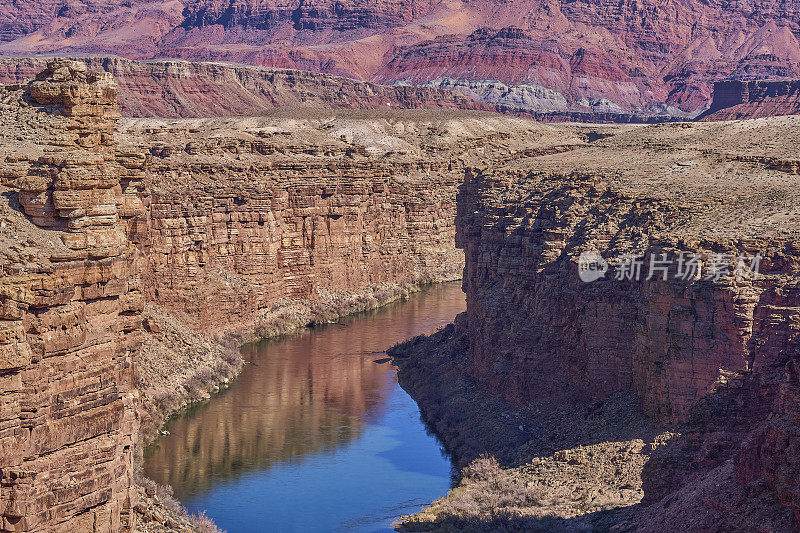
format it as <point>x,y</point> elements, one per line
<point>316,434</point>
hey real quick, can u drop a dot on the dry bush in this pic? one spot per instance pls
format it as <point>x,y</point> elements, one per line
<point>483,468</point>
<point>489,499</point>
<point>204,524</point>
<point>232,356</point>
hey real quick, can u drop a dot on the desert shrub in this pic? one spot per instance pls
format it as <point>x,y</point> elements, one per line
<point>232,356</point>
<point>205,375</point>
<point>165,496</point>
<point>203,524</point>
<point>483,468</point>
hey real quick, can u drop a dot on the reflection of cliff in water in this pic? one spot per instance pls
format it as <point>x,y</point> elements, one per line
<point>300,396</point>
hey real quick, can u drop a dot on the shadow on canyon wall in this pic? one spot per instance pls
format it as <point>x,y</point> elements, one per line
<point>475,422</point>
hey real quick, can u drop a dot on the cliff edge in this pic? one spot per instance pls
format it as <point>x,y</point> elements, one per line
<point>71,306</point>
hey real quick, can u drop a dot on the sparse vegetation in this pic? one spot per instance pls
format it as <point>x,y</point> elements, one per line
<point>288,314</point>
<point>159,511</point>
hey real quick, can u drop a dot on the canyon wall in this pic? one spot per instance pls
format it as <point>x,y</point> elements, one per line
<point>183,89</point>
<point>71,303</point>
<point>650,57</point>
<point>670,341</point>
<point>735,99</point>
<point>213,226</point>
<point>125,243</point>
<point>173,88</point>
<point>277,210</point>
<point>716,351</point>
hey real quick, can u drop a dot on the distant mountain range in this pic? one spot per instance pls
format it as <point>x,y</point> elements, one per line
<point>586,56</point>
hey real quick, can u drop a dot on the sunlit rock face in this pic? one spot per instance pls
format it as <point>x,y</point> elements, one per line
<point>71,301</point>
<point>307,205</point>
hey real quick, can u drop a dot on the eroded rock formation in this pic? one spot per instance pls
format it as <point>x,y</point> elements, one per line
<point>71,303</point>
<point>645,56</point>
<point>306,205</point>
<point>183,89</point>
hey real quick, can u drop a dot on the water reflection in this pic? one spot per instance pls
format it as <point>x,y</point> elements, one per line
<point>313,417</point>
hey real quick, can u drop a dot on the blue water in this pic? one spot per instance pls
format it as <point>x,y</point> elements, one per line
<point>316,435</point>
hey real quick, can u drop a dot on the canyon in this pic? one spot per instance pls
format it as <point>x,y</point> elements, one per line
<point>642,57</point>
<point>138,253</point>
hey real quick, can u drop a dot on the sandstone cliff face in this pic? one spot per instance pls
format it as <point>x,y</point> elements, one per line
<point>719,355</point>
<point>244,214</point>
<point>300,210</point>
<point>71,302</point>
<point>171,88</point>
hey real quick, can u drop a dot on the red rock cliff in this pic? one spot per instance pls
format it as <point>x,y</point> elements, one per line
<point>217,222</point>
<point>70,303</point>
<point>298,212</point>
<point>718,353</point>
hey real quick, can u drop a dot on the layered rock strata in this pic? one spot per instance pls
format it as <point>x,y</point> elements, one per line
<point>691,349</point>
<point>124,245</point>
<point>223,225</point>
<point>183,89</point>
<point>672,341</point>
<point>642,55</point>
<point>306,207</point>
<point>173,88</point>
<point>71,304</point>
<point>737,99</point>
